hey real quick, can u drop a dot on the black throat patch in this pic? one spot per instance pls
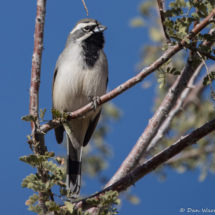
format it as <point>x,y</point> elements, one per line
<point>91,48</point>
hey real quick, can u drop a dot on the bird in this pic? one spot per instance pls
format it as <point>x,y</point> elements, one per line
<point>81,74</point>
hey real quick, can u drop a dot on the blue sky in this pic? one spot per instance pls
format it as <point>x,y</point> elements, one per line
<point>123,44</point>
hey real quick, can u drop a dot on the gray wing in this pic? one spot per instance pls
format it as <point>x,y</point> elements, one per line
<point>92,126</point>
<point>91,129</point>
<point>59,130</point>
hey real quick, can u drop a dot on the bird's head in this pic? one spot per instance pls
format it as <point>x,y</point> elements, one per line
<point>87,31</point>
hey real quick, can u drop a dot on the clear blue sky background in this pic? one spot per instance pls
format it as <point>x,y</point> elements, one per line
<point>17,21</point>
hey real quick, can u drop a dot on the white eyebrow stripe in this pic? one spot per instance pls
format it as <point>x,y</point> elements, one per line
<point>82,25</point>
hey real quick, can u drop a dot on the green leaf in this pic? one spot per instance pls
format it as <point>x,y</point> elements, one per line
<point>32,159</point>
<point>155,34</point>
<point>42,113</point>
<point>172,4</point>
<point>52,206</point>
<point>137,22</point>
<point>195,15</point>
<point>53,168</point>
<point>109,197</point>
<point>117,202</point>
<point>56,113</point>
<point>35,209</point>
<point>210,7</point>
<point>160,79</point>
<point>183,3</point>
<point>133,199</point>
<point>29,118</point>
<point>69,206</point>
<point>92,201</point>
<point>178,2</point>
<point>188,4</point>
<point>32,199</point>
<point>183,29</point>
<point>206,80</point>
<point>168,23</point>
<point>187,40</point>
<point>165,47</point>
<point>161,85</point>
<point>48,183</point>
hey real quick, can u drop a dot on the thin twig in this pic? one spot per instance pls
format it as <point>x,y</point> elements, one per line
<point>212,92</point>
<point>162,17</point>
<point>85,7</point>
<point>194,96</point>
<point>208,55</point>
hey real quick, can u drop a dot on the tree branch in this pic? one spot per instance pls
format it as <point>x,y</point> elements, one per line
<point>153,163</point>
<point>36,59</point>
<point>194,44</point>
<point>193,97</point>
<point>208,55</point>
<point>151,130</point>
<point>131,82</point>
<point>34,89</point>
<point>162,17</point>
<point>191,154</point>
<point>212,92</point>
<point>162,130</point>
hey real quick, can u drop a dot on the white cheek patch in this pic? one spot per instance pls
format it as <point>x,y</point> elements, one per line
<point>82,25</point>
<point>84,37</point>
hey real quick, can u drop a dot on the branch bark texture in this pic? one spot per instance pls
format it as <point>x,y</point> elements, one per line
<point>36,59</point>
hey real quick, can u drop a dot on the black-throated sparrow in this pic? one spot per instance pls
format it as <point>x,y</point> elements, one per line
<point>81,73</point>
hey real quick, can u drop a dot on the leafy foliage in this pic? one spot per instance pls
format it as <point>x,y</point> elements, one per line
<point>56,113</point>
<point>34,160</point>
<point>55,174</point>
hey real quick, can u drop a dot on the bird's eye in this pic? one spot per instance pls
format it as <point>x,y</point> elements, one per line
<point>87,28</point>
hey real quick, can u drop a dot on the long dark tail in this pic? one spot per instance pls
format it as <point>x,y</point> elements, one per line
<point>73,178</point>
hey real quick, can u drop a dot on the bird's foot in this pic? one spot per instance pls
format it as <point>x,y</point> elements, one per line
<point>95,101</point>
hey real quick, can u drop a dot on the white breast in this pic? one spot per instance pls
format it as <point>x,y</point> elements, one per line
<point>75,82</point>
